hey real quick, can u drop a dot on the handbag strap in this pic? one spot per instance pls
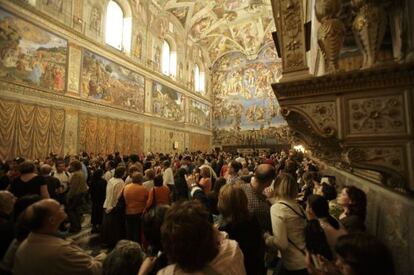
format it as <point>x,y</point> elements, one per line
<point>302,215</point>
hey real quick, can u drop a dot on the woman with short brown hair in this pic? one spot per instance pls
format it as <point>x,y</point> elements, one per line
<point>193,245</point>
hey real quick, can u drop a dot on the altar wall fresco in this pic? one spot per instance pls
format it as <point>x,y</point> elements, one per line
<point>245,109</point>
<point>199,114</point>
<point>167,103</point>
<point>110,83</point>
<point>31,55</point>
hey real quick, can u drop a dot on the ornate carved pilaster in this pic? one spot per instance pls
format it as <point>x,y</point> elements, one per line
<point>357,120</point>
<point>331,32</point>
<point>369,29</point>
<point>288,16</point>
<point>74,68</point>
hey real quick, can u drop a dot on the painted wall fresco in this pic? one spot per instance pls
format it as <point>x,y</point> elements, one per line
<point>246,111</point>
<point>108,82</point>
<point>167,103</point>
<point>30,54</point>
<point>199,114</point>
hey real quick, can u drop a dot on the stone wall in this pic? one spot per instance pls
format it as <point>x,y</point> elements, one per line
<point>389,217</point>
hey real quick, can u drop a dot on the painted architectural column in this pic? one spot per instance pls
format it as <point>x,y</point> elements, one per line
<point>71,132</point>
<point>74,69</point>
<point>289,20</point>
<point>147,138</point>
<point>148,95</point>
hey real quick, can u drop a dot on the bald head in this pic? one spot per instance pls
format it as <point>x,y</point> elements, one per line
<point>45,169</point>
<point>265,174</point>
<point>45,215</point>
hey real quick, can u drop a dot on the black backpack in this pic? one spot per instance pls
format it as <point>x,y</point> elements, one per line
<point>315,238</point>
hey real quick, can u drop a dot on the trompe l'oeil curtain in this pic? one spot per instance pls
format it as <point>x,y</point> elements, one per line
<point>101,135</point>
<point>199,142</point>
<point>30,131</point>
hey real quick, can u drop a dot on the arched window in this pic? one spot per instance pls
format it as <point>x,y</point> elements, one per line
<point>168,60</point>
<point>118,27</point>
<point>199,80</point>
<point>165,63</point>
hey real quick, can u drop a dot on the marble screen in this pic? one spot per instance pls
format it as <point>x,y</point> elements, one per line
<point>108,82</point>
<point>246,111</point>
<point>167,103</point>
<point>30,54</point>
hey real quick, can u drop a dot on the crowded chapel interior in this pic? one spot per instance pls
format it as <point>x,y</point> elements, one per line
<point>214,137</point>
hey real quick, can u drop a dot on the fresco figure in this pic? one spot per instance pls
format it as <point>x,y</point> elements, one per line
<point>36,73</point>
<point>28,58</point>
<point>95,21</point>
<point>245,109</point>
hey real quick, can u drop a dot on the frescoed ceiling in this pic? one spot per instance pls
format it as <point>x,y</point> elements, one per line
<point>222,26</point>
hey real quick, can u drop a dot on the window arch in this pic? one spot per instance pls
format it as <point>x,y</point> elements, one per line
<point>168,60</point>
<point>118,27</point>
<point>199,79</point>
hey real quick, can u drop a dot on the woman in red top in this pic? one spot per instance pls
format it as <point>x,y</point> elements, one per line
<point>205,181</point>
<point>158,195</point>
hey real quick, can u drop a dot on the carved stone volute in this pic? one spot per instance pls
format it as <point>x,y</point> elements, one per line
<point>331,32</point>
<point>360,121</point>
<point>369,28</point>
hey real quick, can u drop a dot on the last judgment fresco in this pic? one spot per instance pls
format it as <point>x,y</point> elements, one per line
<point>167,103</point>
<point>108,82</point>
<point>246,111</point>
<point>31,55</point>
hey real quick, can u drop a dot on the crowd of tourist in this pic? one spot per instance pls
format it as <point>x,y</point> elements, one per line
<point>190,213</point>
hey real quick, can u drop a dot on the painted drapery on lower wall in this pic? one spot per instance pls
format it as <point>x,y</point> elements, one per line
<point>246,111</point>
<point>30,131</point>
<point>166,140</point>
<point>199,142</point>
<point>102,135</point>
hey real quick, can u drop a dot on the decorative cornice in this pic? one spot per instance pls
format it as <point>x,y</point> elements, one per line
<point>81,40</point>
<point>394,76</point>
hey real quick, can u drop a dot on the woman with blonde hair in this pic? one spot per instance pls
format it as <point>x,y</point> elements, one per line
<point>288,226</point>
<point>242,227</point>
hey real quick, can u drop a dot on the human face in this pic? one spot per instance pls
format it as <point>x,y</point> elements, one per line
<point>58,213</point>
<point>60,167</point>
<point>343,198</point>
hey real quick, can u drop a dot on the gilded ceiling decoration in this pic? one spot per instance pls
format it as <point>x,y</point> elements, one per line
<point>222,26</point>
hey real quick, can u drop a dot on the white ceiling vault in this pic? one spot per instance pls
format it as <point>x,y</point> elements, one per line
<point>221,26</point>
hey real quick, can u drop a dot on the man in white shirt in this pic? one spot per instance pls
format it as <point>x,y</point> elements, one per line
<point>110,170</point>
<point>167,175</point>
<point>61,174</point>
